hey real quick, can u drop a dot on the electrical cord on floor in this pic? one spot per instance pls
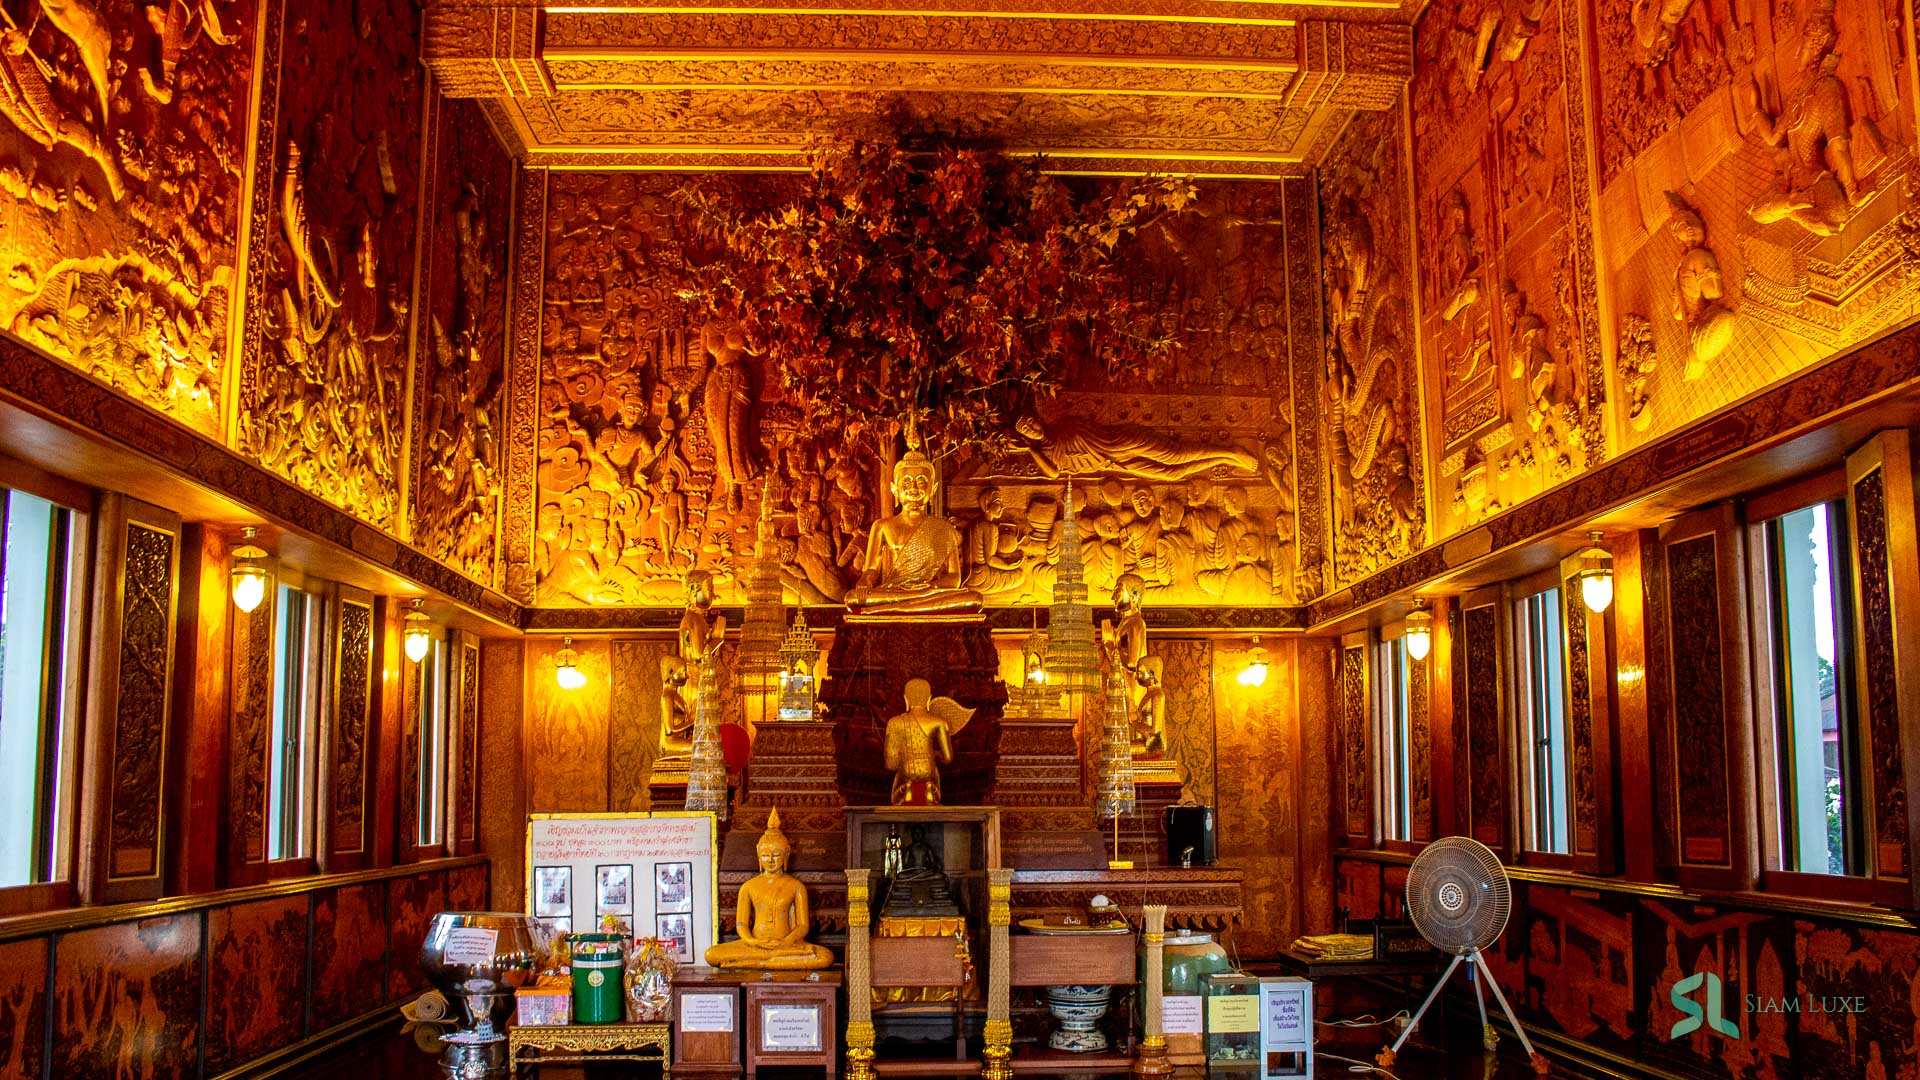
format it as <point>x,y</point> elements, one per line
<point>1366,1020</point>
<point>1358,1068</point>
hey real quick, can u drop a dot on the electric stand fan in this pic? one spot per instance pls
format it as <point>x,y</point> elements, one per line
<point>1458,898</point>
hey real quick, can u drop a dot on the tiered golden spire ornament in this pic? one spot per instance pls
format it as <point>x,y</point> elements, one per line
<point>699,651</point>
<point>1073,661</point>
<point>764,623</point>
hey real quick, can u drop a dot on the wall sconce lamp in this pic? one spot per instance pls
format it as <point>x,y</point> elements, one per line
<point>249,573</point>
<point>419,632</point>
<point>566,670</point>
<point>1255,673</point>
<point>1419,631</point>
<point>1596,575</point>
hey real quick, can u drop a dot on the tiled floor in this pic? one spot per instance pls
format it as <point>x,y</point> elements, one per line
<point>391,1055</point>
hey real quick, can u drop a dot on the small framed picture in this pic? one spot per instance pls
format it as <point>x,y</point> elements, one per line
<point>553,891</point>
<point>673,887</point>
<point>676,936</point>
<point>614,886</point>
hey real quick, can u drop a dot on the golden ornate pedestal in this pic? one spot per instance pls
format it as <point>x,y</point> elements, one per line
<point>533,1046</point>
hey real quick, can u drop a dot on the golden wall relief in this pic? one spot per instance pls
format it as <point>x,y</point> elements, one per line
<point>1507,292</point>
<point>323,384</point>
<point>661,433</point>
<point>1755,198</point>
<point>459,428</point>
<point>122,152</point>
<point>1370,404</point>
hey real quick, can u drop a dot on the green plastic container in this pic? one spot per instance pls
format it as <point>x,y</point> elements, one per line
<point>598,963</point>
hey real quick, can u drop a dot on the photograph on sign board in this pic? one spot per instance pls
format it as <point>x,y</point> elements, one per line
<point>673,887</point>
<point>615,886</point>
<point>676,936</point>
<point>553,895</point>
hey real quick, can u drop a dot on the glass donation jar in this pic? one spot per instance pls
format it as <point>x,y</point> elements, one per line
<point>1186,959</point>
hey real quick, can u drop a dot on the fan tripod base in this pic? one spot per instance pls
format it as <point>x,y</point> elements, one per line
<point>1482,975</point>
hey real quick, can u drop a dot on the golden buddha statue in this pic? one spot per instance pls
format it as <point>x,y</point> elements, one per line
<point>676,710</point>
<point>919,741</point>
<point>913,557</point>
<point>699,638</point>
<point>772,916</point>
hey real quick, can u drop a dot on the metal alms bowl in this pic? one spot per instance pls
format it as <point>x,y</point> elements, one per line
<point>481,978</point>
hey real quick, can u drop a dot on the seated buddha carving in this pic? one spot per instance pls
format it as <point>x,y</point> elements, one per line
<point>772,916</point>
<point>913,557</point>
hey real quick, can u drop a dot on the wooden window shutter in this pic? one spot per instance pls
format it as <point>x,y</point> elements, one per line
<point>1886,568</point>
<point>1590,726</point>
<point>1704,775</point>
<point>1355,811</point>
<point>464,743</point>
<point>1482,778</point>
<point>348,780</point>
<point>249,737</point>
<point>136,592</point>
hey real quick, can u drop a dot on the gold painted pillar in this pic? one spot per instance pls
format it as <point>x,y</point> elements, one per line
<point>998,1052</point>
<point>859,975</point>
<point>1152,1058</point>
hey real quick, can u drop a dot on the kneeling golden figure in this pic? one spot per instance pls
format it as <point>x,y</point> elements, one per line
<point>772,916</point>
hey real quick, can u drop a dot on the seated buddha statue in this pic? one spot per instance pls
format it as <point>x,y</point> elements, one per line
<point>772,917</point>
<point>913,557</point>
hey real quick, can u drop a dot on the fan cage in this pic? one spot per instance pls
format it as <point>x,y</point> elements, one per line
<point>1458,895</point>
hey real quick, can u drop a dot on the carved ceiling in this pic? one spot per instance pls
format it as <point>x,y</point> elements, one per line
<point>1231,88</point>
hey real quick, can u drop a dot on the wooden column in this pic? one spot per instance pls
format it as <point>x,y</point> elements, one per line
<point>1152,1058</point>
<point>859,989</point>
<point>998,1051</point>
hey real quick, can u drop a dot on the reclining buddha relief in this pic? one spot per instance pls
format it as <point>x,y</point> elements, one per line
<point>122,148</point>
<point>661,432</point>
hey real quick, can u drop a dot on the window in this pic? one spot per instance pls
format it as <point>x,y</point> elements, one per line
<point>1542,717</point>
<point>1807,571</point>
<point>1395,738</point>
<point>42,565</point>
<point>431,827</point>
<point>298,693</point>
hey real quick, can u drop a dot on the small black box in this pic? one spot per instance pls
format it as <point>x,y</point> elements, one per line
<point>1190,831</point>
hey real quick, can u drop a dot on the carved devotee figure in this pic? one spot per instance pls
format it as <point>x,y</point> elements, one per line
<point>772,916</point>
<point>726,403</point>
<point>1530,361</point>
<point>1150,710</point>
<point>676,709</point>
<point>700,638</point>
<point>912,565</point>
<point>1129,634</point>
<point>1073,447</point>
<point>1656,28</point>
<point>26,97</point>
<point>1818,190</point>
<point>993,547</point>
<point>919,741</point>
<point>1697,289</point>
<point>1461,264</point>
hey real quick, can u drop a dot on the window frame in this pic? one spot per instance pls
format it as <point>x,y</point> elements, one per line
<point>1760,511</point>
<point>1519,722</point>
<point>445,649</point>
<point>316,695</point>
<point>1390,703</point>
<point>63,845</point>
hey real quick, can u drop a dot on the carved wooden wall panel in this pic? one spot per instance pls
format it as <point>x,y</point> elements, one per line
<point>566,730</point>
<point>1508,304</point>
<point>331,265</point>
<point>407,813</point>
<point>646,468</point>
<point>354,730</point>
<point>1192,732</point>
<point>1707,792</point>
<point>1355,726</point>
<point>1590,754</point>
<point>634,725</point>
<point>1263,822</point>
<point>466,746</point>
<point>130,664</point>
<point>123,156</point>
<point>1420,758</point>
<point>1754,193</point>
<point>1480,719</point>
<point>1368,394</point>
<point>250,728</point>
<point>461,341</point>
<point>1882,527</point>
